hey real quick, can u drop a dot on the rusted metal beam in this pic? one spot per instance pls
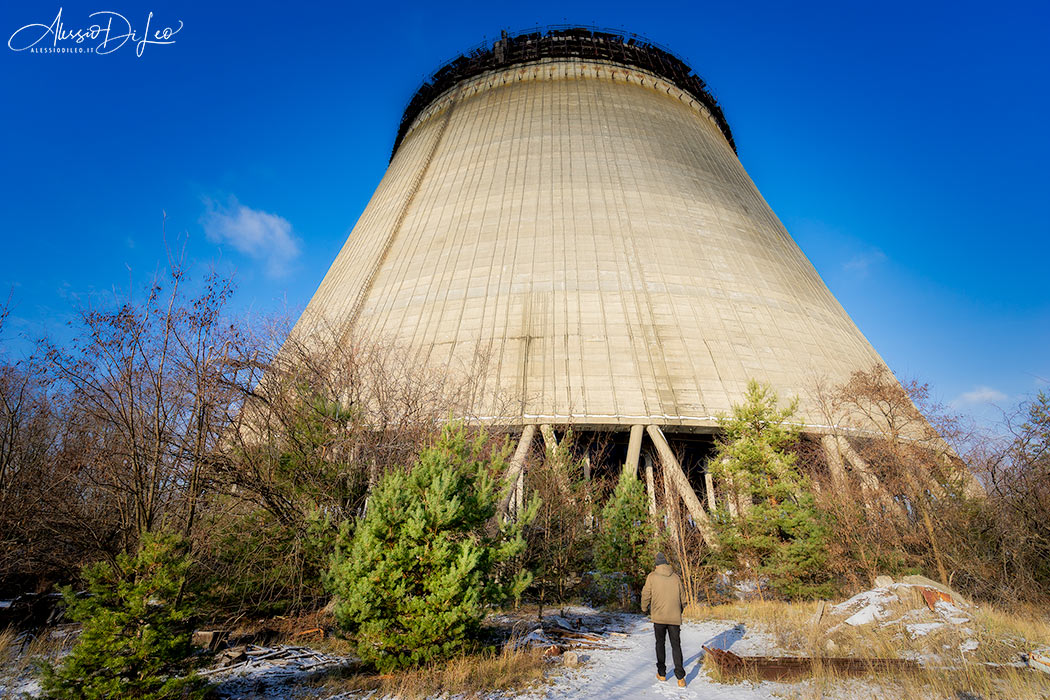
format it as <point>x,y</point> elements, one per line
<point>777,668</point>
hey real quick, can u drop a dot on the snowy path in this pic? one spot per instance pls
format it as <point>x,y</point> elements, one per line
<point>629,670</point>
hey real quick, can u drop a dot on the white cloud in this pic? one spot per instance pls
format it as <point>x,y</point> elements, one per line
<point>979,395</point>
<point>257,234</point>
<point>859,264</point>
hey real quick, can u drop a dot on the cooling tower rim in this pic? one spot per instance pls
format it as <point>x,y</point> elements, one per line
<point>705,425</point>
<point>562,41</point>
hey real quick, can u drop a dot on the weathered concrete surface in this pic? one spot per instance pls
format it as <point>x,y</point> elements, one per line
<point>588,227</point>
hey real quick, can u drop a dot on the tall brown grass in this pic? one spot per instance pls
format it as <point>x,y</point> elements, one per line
<point>470,676</point>
<point>992,670</point>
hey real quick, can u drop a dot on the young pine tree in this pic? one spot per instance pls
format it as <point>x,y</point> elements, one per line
<point>414,580</point>
<point>773,528</point>
<point>135,641</point>
<point>625,539</point>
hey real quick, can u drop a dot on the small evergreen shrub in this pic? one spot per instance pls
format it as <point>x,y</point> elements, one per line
<point>135,641</point>
<point>625,540</point>
<point>777,533</point>
<point>414,580</point>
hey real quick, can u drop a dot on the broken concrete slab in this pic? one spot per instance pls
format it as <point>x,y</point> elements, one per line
<point>211,640</point>
<point>573,659</point>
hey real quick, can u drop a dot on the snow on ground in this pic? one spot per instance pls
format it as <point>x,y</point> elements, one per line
<point>24,686</point>
<point>277,667</point>
<point>629,670</point>
<point>625,671</point>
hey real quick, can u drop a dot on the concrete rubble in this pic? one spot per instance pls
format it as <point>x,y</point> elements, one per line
<point>917,605</point>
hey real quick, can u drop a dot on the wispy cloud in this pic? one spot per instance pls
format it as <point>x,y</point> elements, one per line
<point>258,234</point>
<point>65,291</point>
<point>979,395</point>
<point>860,264</point>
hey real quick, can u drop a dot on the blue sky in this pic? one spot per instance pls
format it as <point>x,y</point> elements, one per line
<point>904,145</point>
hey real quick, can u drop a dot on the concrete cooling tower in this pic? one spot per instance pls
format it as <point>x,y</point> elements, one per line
<point>570,205</point>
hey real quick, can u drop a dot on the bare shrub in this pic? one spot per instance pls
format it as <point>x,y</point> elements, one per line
<point>324,418</point>
<point>690,556</point>
<point>110,435</point>
<point>901,483</point>
<point>561,536</point>
<point>1013,524</point>
<point>39,517</point>
<point>150,394</point>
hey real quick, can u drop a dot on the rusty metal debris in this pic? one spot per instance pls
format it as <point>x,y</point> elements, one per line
<point>932,596</point>
<point>777,668</point>
<point>1038,661</point>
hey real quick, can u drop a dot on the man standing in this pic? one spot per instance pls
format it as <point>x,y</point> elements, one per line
<point>662,595</point>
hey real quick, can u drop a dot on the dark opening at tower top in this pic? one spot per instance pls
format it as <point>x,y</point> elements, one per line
<point>563,43</point>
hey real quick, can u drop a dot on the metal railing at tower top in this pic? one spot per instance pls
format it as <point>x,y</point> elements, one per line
<point>562,41</point>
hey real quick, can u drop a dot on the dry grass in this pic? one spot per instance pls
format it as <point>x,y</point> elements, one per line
<point>471,676</point>
<point>7,640</point>
<point>965,684</point>
<point>19,659</point>
<point>986,672</point>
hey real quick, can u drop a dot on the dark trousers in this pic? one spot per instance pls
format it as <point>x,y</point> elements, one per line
<point>674,632</point>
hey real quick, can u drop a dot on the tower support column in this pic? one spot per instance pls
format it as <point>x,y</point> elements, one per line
<point>684,488</point>
<point>516,473</point>
<point>634,448</point>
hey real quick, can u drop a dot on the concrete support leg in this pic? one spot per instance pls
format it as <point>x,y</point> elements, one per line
<point>634,448</point>
<point>588,517</point>
<point>516,473</point>
<point>550,441</point>
<point>709,483</point>
<point>738,501</point>
<point>868,480</point>
<point>671,499</point>
<point>732,497</point>
<point>685,489</point>
<point>650,487</point>
<point>834,460</point>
